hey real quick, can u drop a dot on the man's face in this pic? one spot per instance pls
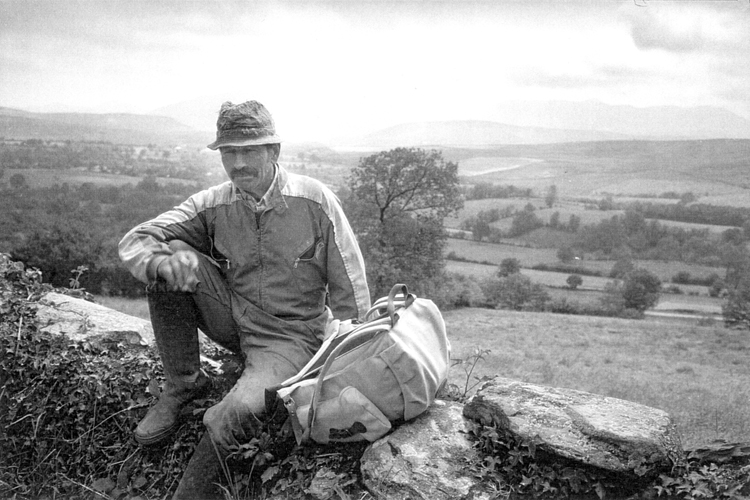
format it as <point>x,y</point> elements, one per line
<point>250,167</point>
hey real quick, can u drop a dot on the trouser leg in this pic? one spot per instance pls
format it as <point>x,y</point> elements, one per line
<point>175,317</point>
<point>235,419</point>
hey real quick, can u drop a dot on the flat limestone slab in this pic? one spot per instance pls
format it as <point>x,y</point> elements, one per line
<point>80,319</point>
<point>608,433</point>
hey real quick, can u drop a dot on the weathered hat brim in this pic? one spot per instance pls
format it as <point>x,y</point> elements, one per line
<point>239,142</point>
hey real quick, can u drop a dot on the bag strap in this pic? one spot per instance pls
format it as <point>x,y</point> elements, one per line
<point>368,330</point>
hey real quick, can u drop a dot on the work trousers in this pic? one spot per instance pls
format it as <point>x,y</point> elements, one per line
<point>274,349</point>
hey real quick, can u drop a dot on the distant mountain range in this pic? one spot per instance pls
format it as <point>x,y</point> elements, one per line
<point>471,133</point>
<point>511,123</point>
<point>118,128</point>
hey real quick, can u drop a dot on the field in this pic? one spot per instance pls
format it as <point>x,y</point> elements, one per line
<point>565,209</point>
<point>700,375</point>
<point>45,178</point>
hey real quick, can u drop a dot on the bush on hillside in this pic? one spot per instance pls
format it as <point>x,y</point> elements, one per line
<point>736,309</point>
<point>516,292</point>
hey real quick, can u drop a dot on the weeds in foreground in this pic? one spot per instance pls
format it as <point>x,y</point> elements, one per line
<point>455,392</point>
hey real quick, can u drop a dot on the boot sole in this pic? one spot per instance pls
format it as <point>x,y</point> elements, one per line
<point>155,439</point>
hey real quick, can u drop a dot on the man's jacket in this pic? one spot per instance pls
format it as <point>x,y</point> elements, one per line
<point>283,260</point>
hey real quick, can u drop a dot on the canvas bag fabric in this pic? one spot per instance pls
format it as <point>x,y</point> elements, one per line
<point>367,375</point>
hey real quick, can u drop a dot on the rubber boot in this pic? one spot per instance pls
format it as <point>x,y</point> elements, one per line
<point>204,473</point>
<point>174,318</point>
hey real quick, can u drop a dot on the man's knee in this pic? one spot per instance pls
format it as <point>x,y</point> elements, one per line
<point>235,419</point>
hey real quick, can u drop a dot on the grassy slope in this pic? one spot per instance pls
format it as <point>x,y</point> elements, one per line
<point>700,375</point>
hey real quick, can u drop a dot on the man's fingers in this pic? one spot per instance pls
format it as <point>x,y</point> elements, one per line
<point>179,271</point>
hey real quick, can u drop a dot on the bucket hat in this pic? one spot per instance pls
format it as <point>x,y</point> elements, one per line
<point>246,124</point>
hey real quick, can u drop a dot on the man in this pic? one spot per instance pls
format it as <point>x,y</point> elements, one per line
<point>261,264</point>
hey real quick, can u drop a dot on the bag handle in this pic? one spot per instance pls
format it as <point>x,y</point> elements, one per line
<point>391,308</point>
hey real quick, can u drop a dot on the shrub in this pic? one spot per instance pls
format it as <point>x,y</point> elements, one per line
<point>516,292</point>
<point>736,309</point>
<point>574,281</point>
<point>509,266</point>
<point>621,268</point>
<point>566,254</point>
<point>453,291</point>
<point>641,290</point>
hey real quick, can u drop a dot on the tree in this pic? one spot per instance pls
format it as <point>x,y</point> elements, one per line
<point>481,229</point>
<point>17,181</point>
<point>566,254</point>
<point>551,196</point>
<point>397,202</point>
<point>621,268</point>
<point>640,289</point>
<point>574,222</point>
<point>574,281</point>
<point>554,220</point>
<point>509,266</point>
<point>516,292</point>
<point>525,221</point>
<point>61,249</point>
<point>736,309</point>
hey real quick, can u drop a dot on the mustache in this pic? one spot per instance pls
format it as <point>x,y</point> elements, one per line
<point>245,173</point>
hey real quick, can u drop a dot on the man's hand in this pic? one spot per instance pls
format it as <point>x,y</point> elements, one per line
<point>179,270</point>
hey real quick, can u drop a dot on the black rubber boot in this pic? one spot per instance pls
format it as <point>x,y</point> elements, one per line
<point>204,474</point>
<point>174,317</point>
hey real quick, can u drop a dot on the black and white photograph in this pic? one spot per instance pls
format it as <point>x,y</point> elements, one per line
<point>374,249</point>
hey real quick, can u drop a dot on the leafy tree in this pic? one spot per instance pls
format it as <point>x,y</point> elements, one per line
<point>736,259</point>
<point>566,254</point>
<point>17,181</point>
<point>397,203</point>
<point>58,251</point>
<point>525,221</point>
<point>509,266</point>
<point>551,196</point>
<point>641,289</point>
<point>574,281</point>
<point>736,309</point>
<point>554,220</point>
<point>574,223</point>
<point>481,229</point>
<point>621,268</point>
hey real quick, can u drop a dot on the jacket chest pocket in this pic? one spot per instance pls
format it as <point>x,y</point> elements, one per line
<point>308,266</point>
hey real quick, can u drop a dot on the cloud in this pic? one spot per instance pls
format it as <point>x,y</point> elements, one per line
<point>652,31</point>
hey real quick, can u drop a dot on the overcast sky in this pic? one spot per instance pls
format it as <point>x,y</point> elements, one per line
<point>350,66</point>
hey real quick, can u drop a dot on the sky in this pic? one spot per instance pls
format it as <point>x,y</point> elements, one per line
<point>345,67</point>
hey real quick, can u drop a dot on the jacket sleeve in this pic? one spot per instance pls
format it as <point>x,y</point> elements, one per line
<point>347,282</point>
<point>186,222</point>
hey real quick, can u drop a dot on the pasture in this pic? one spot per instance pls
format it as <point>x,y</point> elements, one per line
<point>494,253</point>
<point>565,209</point>
<point>699,375</point>
<point>46,178</point>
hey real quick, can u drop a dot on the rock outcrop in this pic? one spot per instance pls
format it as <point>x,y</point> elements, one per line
<point>608,433</point>
<point>80,319</point>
